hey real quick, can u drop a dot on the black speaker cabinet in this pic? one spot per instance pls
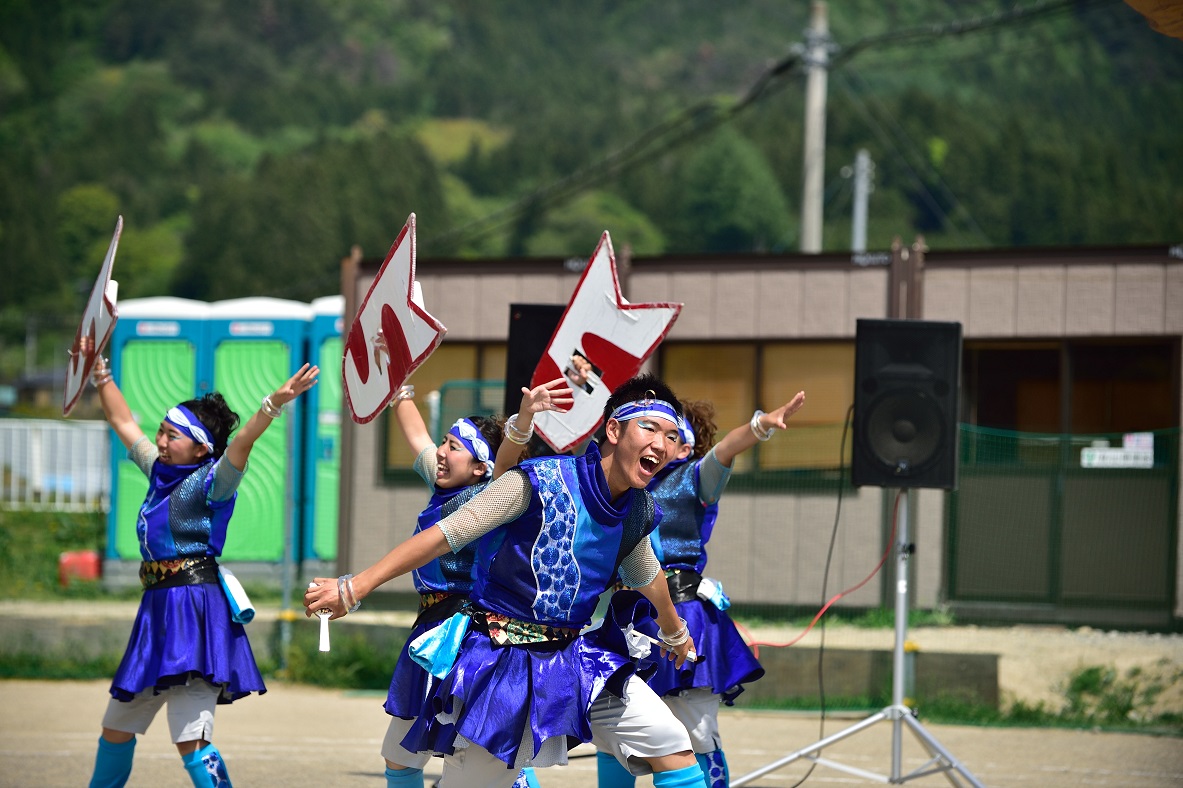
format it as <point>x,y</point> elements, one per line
<point>530,329</point>
<point>907,383</point>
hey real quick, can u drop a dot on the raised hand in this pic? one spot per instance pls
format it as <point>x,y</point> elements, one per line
<point>553,395</point>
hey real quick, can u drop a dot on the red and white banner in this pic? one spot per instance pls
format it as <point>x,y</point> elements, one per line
<point>600,342</point>
<point>98,321</point>
<point>394,306</point>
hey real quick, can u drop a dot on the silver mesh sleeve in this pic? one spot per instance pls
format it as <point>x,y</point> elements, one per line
<point>640,566</point>
<point>504,500</point>
<point>425,465</point>
<point>143,453</point>
<point>226,479</point>
<point>712,478</point>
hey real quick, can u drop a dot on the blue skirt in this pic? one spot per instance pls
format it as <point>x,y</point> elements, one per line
<point>728,663</point>
<point>182,633</point>
<point>496,692</point>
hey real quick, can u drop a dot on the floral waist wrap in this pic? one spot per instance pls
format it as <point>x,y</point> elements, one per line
<point>438,605</point>
<point>178,572</point>
<point>504,630</point>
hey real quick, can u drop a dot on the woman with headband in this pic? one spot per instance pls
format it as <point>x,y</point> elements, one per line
<point>186,651</point>
<point>688,492</point>
<point>456,470</point>
<point>518,678</point>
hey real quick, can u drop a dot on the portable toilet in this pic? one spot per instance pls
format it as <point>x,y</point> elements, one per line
<point>255,344</point>
<point>157,360</point>
<point>322,459</point>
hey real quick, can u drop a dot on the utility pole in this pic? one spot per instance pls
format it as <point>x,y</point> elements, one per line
<point>816,58</point>
<point>864,171</point>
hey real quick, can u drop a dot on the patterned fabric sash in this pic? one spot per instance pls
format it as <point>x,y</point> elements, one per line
<point>178,572</point>
<point>439,605</point>
<point>683,584</point>
<point>504,630</point>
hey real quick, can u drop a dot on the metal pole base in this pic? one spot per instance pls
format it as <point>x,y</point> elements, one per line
<point>940,761</point>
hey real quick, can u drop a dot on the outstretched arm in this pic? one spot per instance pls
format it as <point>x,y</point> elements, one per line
<point>115,407</point>
<point>552,395</point>
<point>744,437</point>
<point>424,546</point>
<point>244,440</point>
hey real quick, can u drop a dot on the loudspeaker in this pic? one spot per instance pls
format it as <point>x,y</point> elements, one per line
<point>907,392</point>
<point>530,328</point>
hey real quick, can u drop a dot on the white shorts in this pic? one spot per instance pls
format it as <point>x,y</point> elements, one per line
<point>190,711</point>
<point>698,710</point>
<point>394,752</point>
<point>639,727</point>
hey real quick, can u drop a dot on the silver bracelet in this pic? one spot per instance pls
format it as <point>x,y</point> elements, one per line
<point>515,435</point>
<point>678,638</point>
<point>760,432</point>
<point>405,391</point>
<point>347,594</point>
<point>270,409</point>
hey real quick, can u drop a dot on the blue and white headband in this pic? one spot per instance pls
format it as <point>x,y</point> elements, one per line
<point>686,431</point>
<point>475,442</point>
<point>654,408</point>
<point>187,422</point>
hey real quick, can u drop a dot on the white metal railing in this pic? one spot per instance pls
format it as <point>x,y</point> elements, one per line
<point>48,465</point>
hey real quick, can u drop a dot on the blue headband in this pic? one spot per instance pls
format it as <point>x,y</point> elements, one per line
<point>187,422</point>
<point>686,431</point>
<point>647,407</point>
<point>477,446</point>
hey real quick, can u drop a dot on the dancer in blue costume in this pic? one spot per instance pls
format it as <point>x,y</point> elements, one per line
<point>688,492</point>
<point>456,470</point>
<point>524,680</point>
<point>186,650</point>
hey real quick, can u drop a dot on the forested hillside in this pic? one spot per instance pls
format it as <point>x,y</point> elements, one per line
<point>250,143</point>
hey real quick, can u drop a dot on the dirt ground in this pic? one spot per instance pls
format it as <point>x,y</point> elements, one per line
<point>297,736</point>
<point>305,736</point>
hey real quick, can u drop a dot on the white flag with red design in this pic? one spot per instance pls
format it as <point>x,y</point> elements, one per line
<point>393,306</point>
<point>600,342</point>
<point>98,322</point>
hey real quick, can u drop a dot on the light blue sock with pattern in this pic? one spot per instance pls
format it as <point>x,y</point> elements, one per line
<point>686,777</point>
<point>112,764</point>
<point>404,778</point>
<point>206,768</point>
<point>714,768</point>
<point>526,779</point>
<point>611,774</point>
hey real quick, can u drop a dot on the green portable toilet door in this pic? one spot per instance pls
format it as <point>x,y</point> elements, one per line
<point>328,456</point>
<point>245,372</point>
<point>155,375</point>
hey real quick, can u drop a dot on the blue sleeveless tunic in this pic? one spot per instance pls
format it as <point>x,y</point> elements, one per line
<point>186,632</point>
<point>547,568</point>
<point>680,543</point>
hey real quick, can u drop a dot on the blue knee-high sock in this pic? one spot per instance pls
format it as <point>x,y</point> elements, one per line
<point>526,778</point>
<point>206,768</point>
<point>404,778</point>
<point>686,777</point>
<point>112,764</point>
<point>714,768</point>
<point>611,774</point>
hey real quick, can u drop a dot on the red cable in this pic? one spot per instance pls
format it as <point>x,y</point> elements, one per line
<point>755,645</point>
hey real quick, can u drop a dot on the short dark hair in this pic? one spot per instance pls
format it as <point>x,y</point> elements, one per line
<point>638,388</point>
<point>215,414</point>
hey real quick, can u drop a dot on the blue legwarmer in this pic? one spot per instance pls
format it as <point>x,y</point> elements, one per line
<point>112,764</point>
<point>686,777</point>
<point>714,768</point>
<point>611,774</point>
<point>206,768</point>
<point>404,778</point>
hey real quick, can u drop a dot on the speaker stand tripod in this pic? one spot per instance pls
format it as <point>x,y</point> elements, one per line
<point>898,714</point>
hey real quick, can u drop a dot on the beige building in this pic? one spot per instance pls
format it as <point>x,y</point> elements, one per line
<point>1065,351</point>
